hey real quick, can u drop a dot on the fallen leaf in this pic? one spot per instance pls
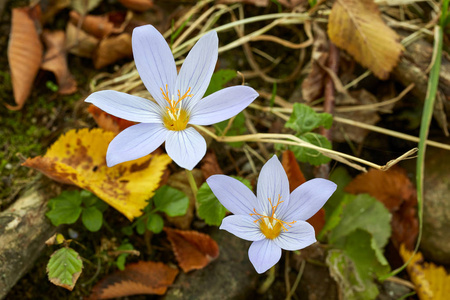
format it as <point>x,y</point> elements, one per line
<point>193,250</point>
<point>107,121</point>
<point>137,5</point>
<point>79,42</point>
<point>78,158</point>
<point>144,277</point>
<point>51,7</point>
<point>55,61</point>
<point>292,169</point>
<point>112,49</point>
<point>357,27</point>
<point>313,85</point>
<point>24,53</point>
<point>64,268</point>
<point>210,165</point>
<point>431,281</point>
<point>98,26</point>
<point>260,3</point>
<point>84,6</point>
<point>394,189</point>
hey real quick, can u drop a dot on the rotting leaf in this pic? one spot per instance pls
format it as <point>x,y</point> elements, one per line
<point>431,281</point>
<point>55,61</point>
<point>79,42</point>
<point>293,172</point>
<point>357,27</point>
<point>111,49</point>
<point>78,158</point>
<point>24,53</point>
<point>144,277</point>
<point>107,121</point>
<point>137,5</point>
<point>64,268</point>
<point>210,165</point>
<point>193,250</point>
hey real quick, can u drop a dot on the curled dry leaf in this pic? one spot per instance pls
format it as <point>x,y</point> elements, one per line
<point>78,158</point>
<point>98,26</point>
<point>137,5</point>
<point>356,26</point>
<point>394,189</point>
<point>144,277</point>
<point>24,53</point>
<point>55,61</point>
<point>112,49</point>
<point>107,121</point>
<point>79,42</point>
<point>193,250</point>
<point>210,165</point>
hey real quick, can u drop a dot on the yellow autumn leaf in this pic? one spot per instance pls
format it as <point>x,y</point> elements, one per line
<point>356,26</point>
<point>79,158</point>
<point>432,282</point>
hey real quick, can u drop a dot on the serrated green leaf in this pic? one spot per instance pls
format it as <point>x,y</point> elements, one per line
<point>236,128</point>
<point>155,223</point>
<point>210,209</point>
<point>363,212</point>
<point>64,267</point>
<point>92,218</point>
<point>171,201</point>
<point>65,208</point>
<point>218,80</point>
<point>312,156</point>
<point>356,265</point>
<point>304,119</point>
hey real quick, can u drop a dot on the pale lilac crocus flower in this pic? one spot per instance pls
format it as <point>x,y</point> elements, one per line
<point>178,99</point>
<point>273,220</point>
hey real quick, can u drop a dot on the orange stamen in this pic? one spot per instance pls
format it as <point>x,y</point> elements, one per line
<point>272,218</point>
<point>172,109</point>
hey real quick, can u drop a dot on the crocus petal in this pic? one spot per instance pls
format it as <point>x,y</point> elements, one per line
<point>154,61</point>
<point>308,198</point>
<point>126,106</point>
<point>299,236</point>
<point>222,105</point>
<point>242,226</point>
<point>186,147</point>
<point>264,254</point>
<point>197,69</point>
<point>272,184</point>
<point>135,142</point>
<point>233,194</point>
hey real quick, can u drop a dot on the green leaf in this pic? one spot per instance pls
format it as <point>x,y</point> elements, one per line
<point>171,201</point>
<point>335,216</point>
<point>312,156</point>
<point>65,208</point>
<point>155,223</point>
<point>140,226</point>
<point>127,230</point>
<point>121,259</point>
<point>341,177</point>
<point>356,266</point>
<point>64,267</point>
<point>92,218</point>
<point>88,198</point>
<point>210,209</point>
<point>363,212</point>
<point>304,119</point>
<point>236,128</point>
<point>218,80</point>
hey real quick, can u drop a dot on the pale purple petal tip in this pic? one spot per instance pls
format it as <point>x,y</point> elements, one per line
<point>222,105</point>
<point>135,142</point>
<point>186,147</point>
<point>299,236</point>
<point>264,254</point>
<point>233,194</point>
<point>243,227</point>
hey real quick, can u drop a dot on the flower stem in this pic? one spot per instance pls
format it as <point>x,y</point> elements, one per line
<point>192,183</point>
<point>268,282</point>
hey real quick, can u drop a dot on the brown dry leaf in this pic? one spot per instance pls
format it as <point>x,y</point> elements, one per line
<point>260,3</point>
<point>394,189</point>
<point>78,158</point>
<point>144,277</point>
<point>357,27</point>
<point>210,165</point>
<point>55,61</point>
<point>193,250</point>
<point>137,5</point>
<point>24,53</point>
<point>432,282</point>
<point>98,26</point>
<point>51,8</point>
<point>107,121</point>
<point>112,49</point>
<point>84,6</point>
<point>79,42</point>
<point>313,85</point>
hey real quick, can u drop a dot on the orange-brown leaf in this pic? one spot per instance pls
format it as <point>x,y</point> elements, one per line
<point>210,165</point>
<point>111,49</point>
<point>55,61</point>
<point>107,121</point>
<point>98,26</point>
<point>139,278</point>
<point>293,172</point>
<point>79,42</point>
<point>78,158</point>
<point>193,250</point>
<point>137,5</point>
<point>24,53</point>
